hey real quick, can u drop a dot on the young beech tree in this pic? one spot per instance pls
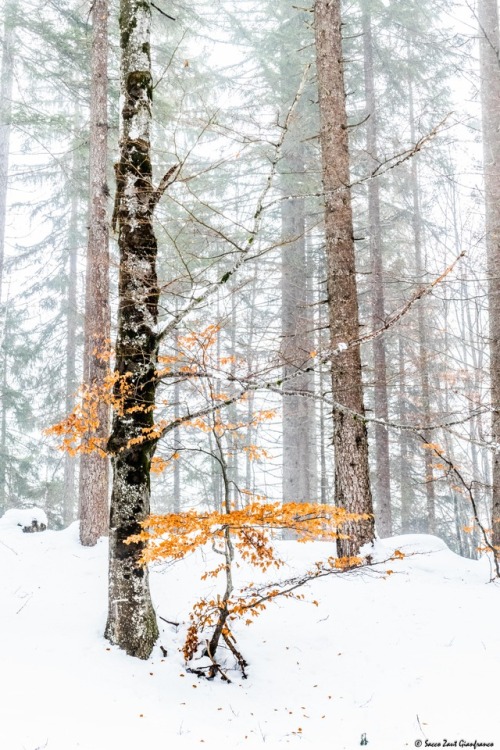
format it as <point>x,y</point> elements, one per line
<point>241,536</point>
<point>131,618</point>
<point>352,480</point>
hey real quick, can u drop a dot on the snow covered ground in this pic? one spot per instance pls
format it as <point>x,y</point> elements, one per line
<point>387,660</point>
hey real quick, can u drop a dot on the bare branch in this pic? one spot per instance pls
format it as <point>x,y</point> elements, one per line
<point>257,222</point>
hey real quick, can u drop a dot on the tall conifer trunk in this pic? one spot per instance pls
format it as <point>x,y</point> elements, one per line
<point>93,489</point>
<point>423,367</point>
<point>6,87</point>
<point>405,479</point>
<point>381,402</point>
<point>71,328</point>
<point>352,481</point>
<point>490,99</point>
<point>299,475</point>
<point>131,617</point>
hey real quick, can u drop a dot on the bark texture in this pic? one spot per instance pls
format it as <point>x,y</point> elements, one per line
<point>382,488</point>
<point>94,479</point>
<point>352,482</point>
<point>131,617</point>
<point>490,99</point>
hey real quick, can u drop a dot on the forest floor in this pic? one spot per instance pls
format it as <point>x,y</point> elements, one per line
<point>387,661</point>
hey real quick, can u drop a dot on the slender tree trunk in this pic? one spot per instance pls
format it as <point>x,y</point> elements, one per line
<point>176,440</point>
<point>71,326</point>
<point>249,438</point>
<point>131,617</point>
<point>490,98</point>
<point>352,481</point>
<point>407,498</point>
<point>298,471</point>
<point>93,490</point>
<point>382,489</point>
<point>430,492</point>
<point>6,87</point>
<point>4,451</point>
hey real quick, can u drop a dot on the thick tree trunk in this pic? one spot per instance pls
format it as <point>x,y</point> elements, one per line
<point>490,98</point>
<point>430,492</point>
<point>131,617</point>
<point>93,490</point>
<point>382,489</point>
<point>352,482</point>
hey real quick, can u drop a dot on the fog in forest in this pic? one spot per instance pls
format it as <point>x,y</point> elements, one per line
<point>249,289</point>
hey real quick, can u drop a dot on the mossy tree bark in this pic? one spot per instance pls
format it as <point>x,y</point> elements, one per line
<point>131,617</point>
<point>352,481</point>
<point>94,479</point>
<point>490,99</point>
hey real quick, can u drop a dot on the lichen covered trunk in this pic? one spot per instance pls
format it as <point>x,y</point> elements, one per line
<point>131,618</point>
<point>352,482</point>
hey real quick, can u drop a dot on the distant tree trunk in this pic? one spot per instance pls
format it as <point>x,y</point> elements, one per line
<point>249,437</point>
<point>352,481</point>
<point>423,367</point>
<point>382,487</point>
<point>6,86</point>
<point>71,327</point>
<point>131,617</point>
<point>93,490</point>
<point>4,451</point>
<point>490,99</point>
<point>406,492</point>
<point>176,440</point>
<point>298,437</point>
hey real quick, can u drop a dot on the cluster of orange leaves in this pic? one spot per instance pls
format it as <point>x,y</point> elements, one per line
<point>78,430</point>
<point>174,536</point>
